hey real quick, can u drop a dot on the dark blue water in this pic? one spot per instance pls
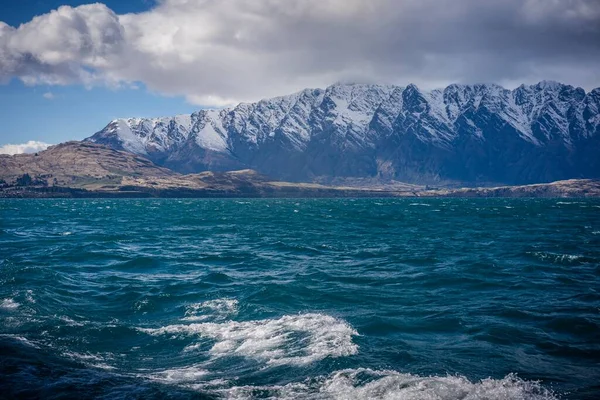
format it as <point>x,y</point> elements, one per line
<point>300,299</point>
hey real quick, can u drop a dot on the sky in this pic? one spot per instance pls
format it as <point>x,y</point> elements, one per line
<point>67,68</point>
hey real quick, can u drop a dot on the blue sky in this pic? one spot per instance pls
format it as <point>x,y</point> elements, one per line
<point>21,11</point>
<point>54,114</point>
<point>67,73</point>
<point>74,112</point>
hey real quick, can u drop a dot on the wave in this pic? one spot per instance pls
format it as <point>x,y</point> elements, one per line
<point>179,375</point>
<point>91,360</point>
<point>21,339</point>
<point>215,309</point>
<point>368,384</point>
<point>9,304</point>
<point>26,377</point>
<point>557,258</point>
<point>69,321</point>
<point>289,340</point>
<point>30,372</point>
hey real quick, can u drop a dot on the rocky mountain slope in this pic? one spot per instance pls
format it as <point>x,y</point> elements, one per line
<point>479,134</point>
<point>77,164</point>
<point>82,169</point>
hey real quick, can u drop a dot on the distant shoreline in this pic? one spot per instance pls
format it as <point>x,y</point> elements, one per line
<point>88,170</point>
<point>561,189</point>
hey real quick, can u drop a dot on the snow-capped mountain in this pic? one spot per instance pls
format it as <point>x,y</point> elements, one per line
<point>468,133</point>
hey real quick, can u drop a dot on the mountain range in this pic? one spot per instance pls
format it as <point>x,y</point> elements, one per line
<point>466,134</point>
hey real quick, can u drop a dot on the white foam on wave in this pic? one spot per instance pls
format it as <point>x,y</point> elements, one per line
<point>179,375</point>
<point>92,360</point>
<point>215,309</point>
<point>21,339</point>
<point>103,366</point>
<point>69,321</point>
<point>9,304</point>
<point>557,258</point>
<point>289,340</point>
<point>83,357</point>
<point>367,384</point>
<point>29,296</point>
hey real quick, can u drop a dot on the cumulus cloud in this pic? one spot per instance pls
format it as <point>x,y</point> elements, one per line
<point>29,147</point>
<point>68,45</point>
<point>222,51</point>
<point>48,96</point>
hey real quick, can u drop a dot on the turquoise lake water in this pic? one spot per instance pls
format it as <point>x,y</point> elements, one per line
<point>300,299</point>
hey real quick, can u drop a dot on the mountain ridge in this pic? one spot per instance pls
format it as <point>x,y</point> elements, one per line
<point>463,133</point>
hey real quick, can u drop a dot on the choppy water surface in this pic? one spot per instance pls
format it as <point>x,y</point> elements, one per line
<point>300,299</point>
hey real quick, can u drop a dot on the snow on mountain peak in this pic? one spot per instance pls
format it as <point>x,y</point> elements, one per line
<point>357,117</point>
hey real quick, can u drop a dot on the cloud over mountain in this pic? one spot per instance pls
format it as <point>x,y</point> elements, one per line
<point>216,52</point>
<point>31,146</point>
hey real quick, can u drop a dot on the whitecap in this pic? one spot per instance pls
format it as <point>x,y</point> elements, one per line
<point>83,357</point>
<point>216,309</point>
<point>420,204</point>
<point>69,321</point>
<point>103,366</point>
<point>21,339</point>
<point>289,340</point>
<point>367,384</point>
<point>9,304</point>
<point>179,375</point>
<point>208,385</point>
<point>141,304</point>
<point>29,296</point>
<point>557,258</point>
<point>92,360</point>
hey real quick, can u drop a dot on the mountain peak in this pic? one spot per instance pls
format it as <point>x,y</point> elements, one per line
<point>549,85</point>
<point>411,87</point>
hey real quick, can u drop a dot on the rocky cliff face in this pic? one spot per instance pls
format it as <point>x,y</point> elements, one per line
<point>471,134</point>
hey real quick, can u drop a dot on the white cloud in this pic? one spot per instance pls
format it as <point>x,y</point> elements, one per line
<point>31,146</point>
<point>217,52</point>
<point>48,95</point>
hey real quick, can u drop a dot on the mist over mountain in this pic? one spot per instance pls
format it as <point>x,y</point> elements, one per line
<point>473,134</point>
